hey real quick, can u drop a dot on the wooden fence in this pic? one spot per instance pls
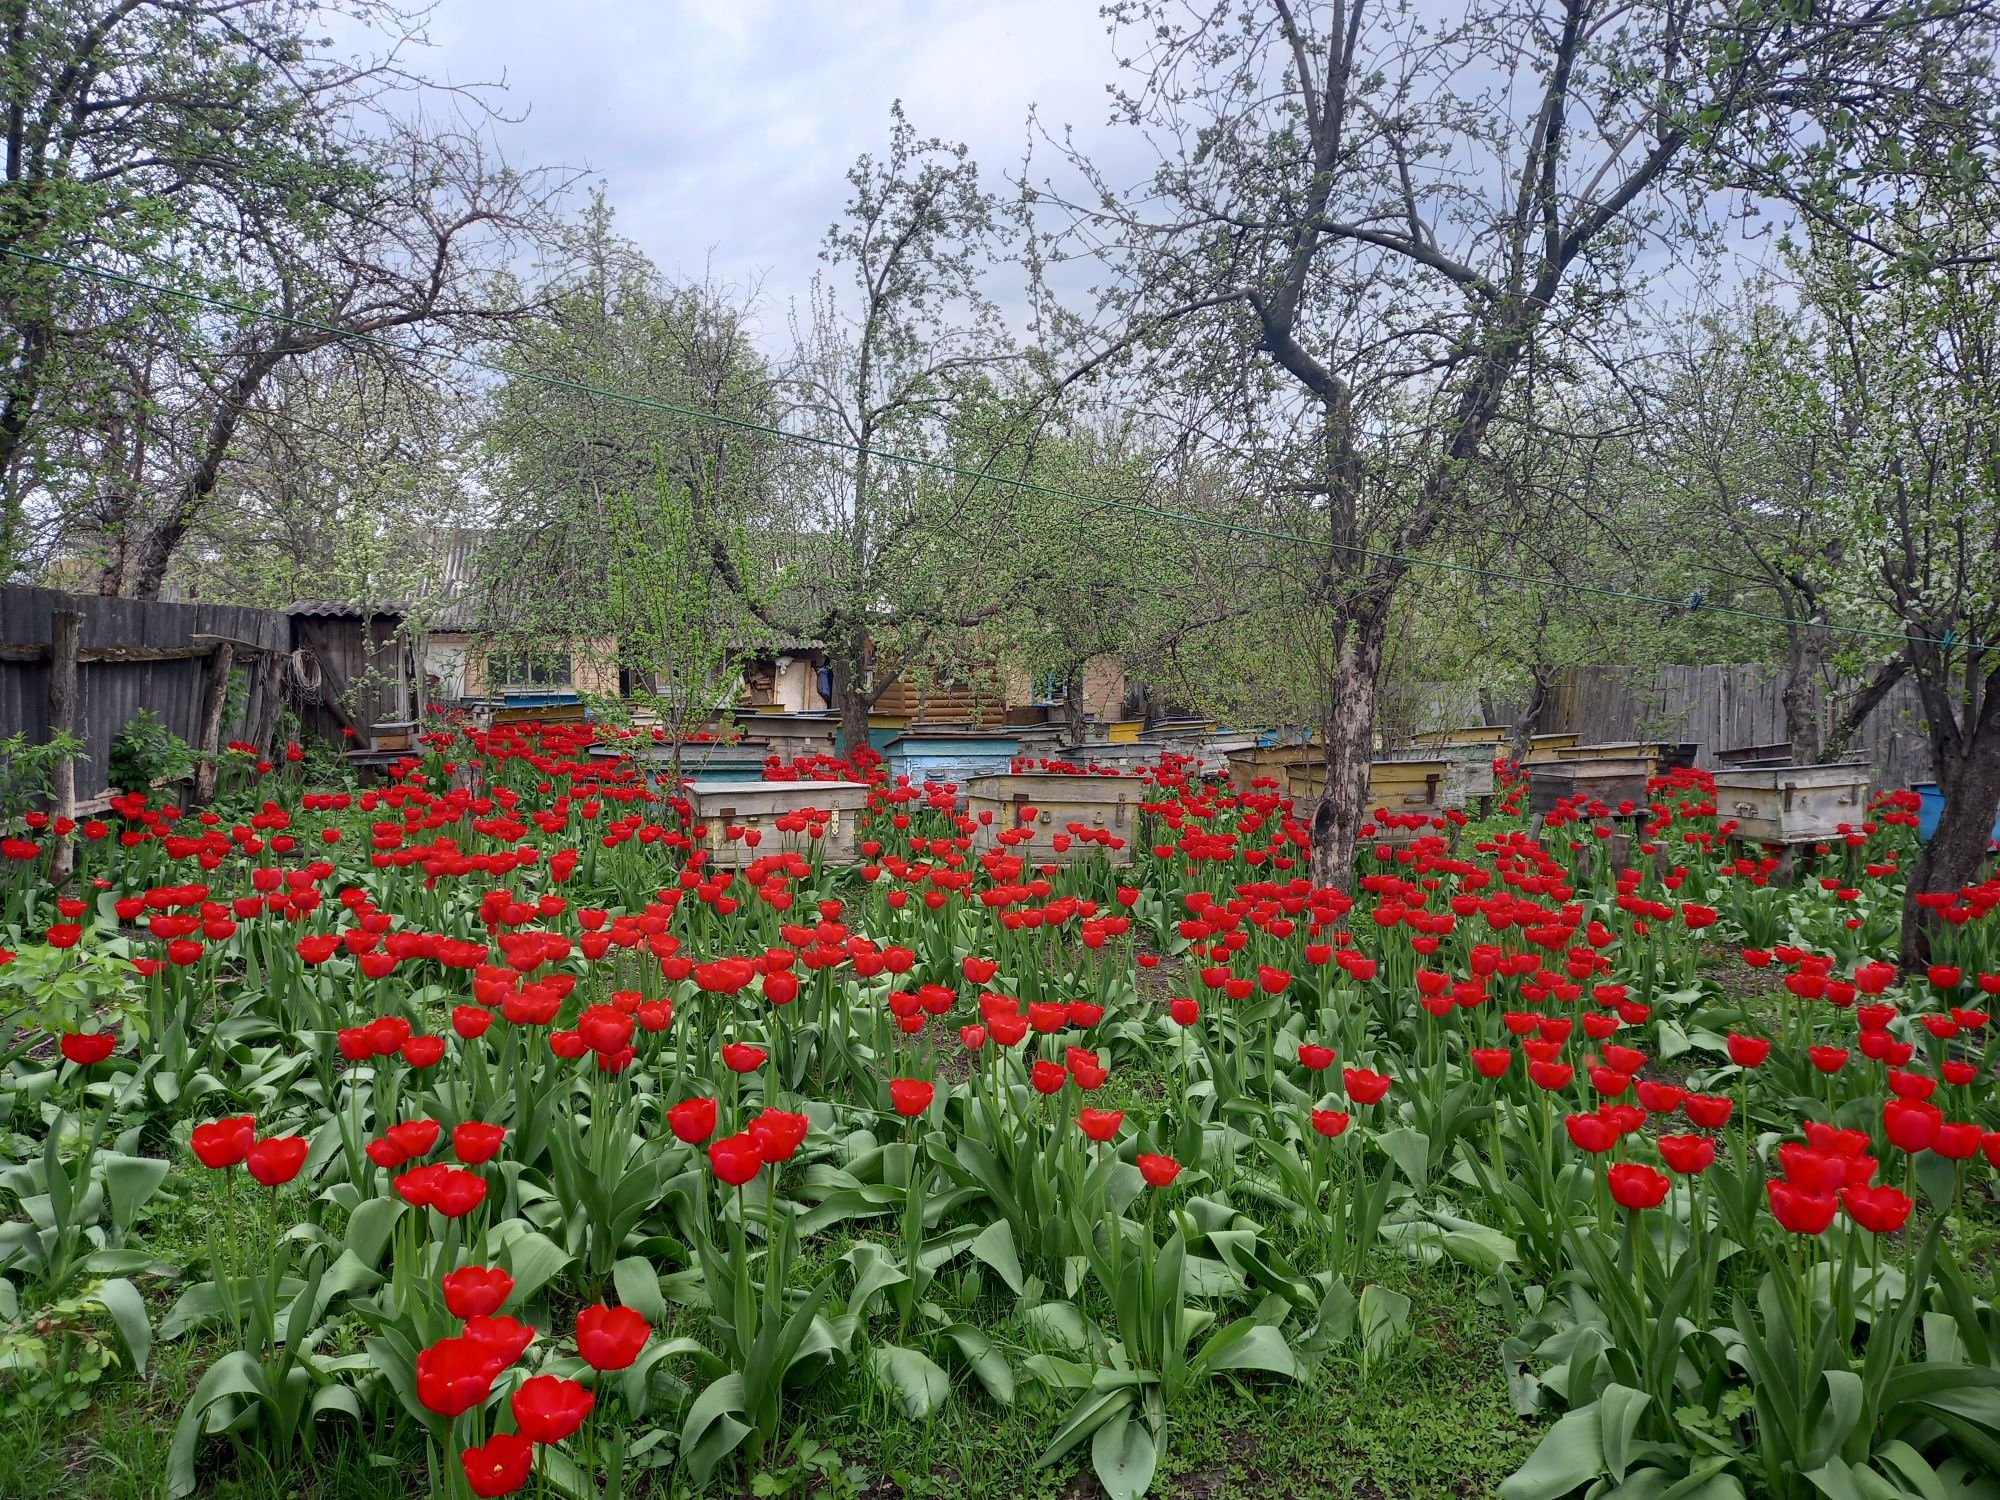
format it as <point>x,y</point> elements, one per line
<point>209,672</point>
<point>1718,708</point>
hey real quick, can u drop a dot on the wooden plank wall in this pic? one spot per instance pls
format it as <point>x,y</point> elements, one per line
<point>112,692</point>
<point>1720,707</point>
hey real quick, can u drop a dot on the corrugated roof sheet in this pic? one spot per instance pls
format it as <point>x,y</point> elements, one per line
<point>341,609</point>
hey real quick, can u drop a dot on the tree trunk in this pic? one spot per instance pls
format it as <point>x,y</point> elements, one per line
<point>1347,725</point>
<point>845,652</point>
<point>1525,727</point>
<point>1073,704</point>
<point>1804,692</point>
<point>1971,785</point>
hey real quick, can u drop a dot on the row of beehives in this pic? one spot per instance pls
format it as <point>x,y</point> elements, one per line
<point>1071,816</point>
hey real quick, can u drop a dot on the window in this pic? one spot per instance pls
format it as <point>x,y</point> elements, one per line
<point>517,669</point>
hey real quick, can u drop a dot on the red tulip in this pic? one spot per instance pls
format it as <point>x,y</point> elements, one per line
<point>423,1051</point>
<point>1659,1098</point>
<point>1957,1140</point>
<point>225,1142</point>
<point>276,1159</point>
<point>548,1408</point>
<point>471,1291</point>
<point>1748,1051</point>
<point>1798,1210</point>
<point>1815,1171</point>
<point>1636,1186</point>
<point>610,1338</point>
<point>1365,1086</point>
<point>502,1337</point>
<point>455,1374</point>
<point>87,1047</point>
<point>1185,1012</point>
<point>735,1158</point>
<point>1592,1133</point>
<point>1315,1057</point>
<point>1911,1124</point>
<point>692,1120</point>
<point>456,1192</point>
<point>1551,1075</point>
<point>1879,1210</point>
<point>1710,1111</point>
<point>911,1096</point>
<point>1047,1077</point>
<point>473,1142</point>
<point>742,1057</point>
<point>1158,1170</point>
<point>1687,1154</point>
<point>500,1465</point>
<point>1100,1124</point>
<point>413,1137</point>
<point>778,1133</point>
<point>1491,1062</point>
<point>1330,1122</point>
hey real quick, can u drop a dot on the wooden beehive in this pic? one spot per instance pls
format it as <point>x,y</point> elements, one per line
<point>1397,786</point>
<point>1645,750</point>
<point>1491,736</point>
<point>1792,804</point>
<point>1061,804</point>
<point>1544,747</point>
<point>722,805</point>
<point>1611,780</point>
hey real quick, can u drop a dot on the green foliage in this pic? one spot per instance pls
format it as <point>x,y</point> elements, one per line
<point>145,751</point>
<point>26,770</point>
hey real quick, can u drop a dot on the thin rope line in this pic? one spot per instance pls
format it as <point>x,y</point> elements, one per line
<point>1033,486</point>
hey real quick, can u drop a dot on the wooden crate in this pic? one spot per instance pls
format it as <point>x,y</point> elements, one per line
<point>1061,803</point>
<point>1608,779</point>
<point>1792,804</point>
<point>721,805</point>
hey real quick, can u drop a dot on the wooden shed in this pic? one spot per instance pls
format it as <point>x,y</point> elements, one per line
<point>1080,809</point>
<point>355,672</point>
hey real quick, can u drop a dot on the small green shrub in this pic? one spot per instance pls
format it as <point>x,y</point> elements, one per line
<point>146,751</point>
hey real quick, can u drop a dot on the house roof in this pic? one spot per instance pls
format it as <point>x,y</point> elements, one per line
<point>457,602</point>
<point>344,609</point>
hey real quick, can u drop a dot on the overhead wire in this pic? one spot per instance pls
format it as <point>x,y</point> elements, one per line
<point>336,333</point>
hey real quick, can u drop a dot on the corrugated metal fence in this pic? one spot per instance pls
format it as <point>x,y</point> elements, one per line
<point>135,654</point>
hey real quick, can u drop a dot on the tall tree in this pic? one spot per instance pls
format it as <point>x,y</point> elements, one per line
<point>1366,227</point>
<point>220,151</point>
<point>1909,369</point>
<point>900,336</point>
<point>598,433</point>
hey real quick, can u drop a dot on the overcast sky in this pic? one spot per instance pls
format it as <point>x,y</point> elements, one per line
<point>723,128</point>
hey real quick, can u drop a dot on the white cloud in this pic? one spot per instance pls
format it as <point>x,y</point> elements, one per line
<point>724,130</point>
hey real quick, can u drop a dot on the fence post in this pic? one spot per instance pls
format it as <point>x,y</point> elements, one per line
<point>65,631</point>
<point>271,685</point>
<point>208,733</point>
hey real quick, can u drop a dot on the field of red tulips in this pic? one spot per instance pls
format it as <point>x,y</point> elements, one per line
<point>502,1129</point>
